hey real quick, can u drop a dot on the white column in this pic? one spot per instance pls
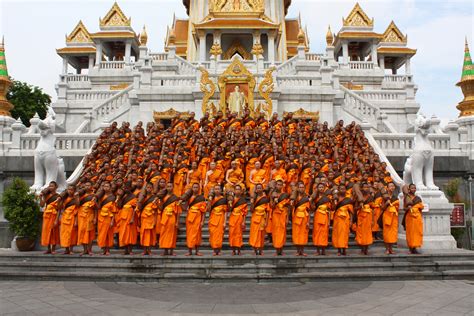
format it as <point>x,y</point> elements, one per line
<point>271,48</point>
<point>382,62</point>
<point>91,62</point>
<point>65,64</point>
<point>374,53</point>
<point>128,52</point>
<point>408,66</point>
<point>345,52</point>
<point>202,48</point>
<point>98,53</point>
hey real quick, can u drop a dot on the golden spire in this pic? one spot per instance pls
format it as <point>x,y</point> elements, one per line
<point>329,36</point>
<point>466,106</point>
<point>301,37</point>
<point>5,83</point>
<point>143,36</point>
<point>172,38</point>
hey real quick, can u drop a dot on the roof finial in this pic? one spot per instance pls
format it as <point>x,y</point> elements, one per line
<point>143,36</point>
<point>467,84</point>
<point>5,105</point>
<point>329,36</point>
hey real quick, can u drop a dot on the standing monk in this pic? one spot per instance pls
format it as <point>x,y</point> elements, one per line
<point>390,219</point>
<point>300,220</point>
<point>105,219</point>
<point>86,219</point>
<point>413,218</point>
<point>128,228</point>
<point>68,228</point>
<point>197,206</point>
<point>322,207</point>
<point>217,219</point>
<point>239,209</point>
<point>50,229</point>
<point>148,207</point>
<point>260,210</point>
<point>170,211</point>
<point>364,218</point>
<point>279,216</point>
<point>342,221</point>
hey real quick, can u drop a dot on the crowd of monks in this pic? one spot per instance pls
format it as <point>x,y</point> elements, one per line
<point>286,175</point>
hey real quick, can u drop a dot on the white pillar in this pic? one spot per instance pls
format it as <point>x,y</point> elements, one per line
<point>374,53</point>
<point>65,64</point>
<point>382,62</point>
<point>271,48</point>
<point>98,54</point>
<point>202,48</point>
<point>91,62</point>
<point>345,52</point>
<point>128,51</point>
<point>408,66</point>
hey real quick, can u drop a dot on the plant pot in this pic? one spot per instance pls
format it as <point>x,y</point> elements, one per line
<point>25,243</point>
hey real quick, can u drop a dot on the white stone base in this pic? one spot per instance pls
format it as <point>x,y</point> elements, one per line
<point>431,242</point>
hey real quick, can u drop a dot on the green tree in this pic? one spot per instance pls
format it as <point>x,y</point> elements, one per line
<point>21,209</point>
<point>27,100</point>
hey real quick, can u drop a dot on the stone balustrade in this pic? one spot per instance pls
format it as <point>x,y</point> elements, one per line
<point>111,64</point>
<point>381,95</point>
<point>287,67</point>
<point>66,143</point>
<point>359,107</point>
<point>189,80</point>
<point>185,67</point>
<point>77,78</point>
<point>361,65</point>
<point>292,81</point>
<point>91,95</point>
<point>396,81</point>
<point>104,110</point>
<point>159,56</point>
<point>313,56</point>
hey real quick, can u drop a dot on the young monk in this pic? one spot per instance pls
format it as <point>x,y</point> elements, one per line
<point>50,230</point>
<point>300,220</point>
<point>260,210</point>
<point>148,208</point>
<point>128,228</point>
<point>364,217</point>
<point>344,208</point>
<point>68,219</point>
<point>217,219</point>
<point>413,218</point>
<point>86,219</point>
<point>234,176</point>
<point>239,209</point>
<point>322,218</point>
<point>281,207</point>
<point>212,178</point>
<point>197,206</point>
<point>257,176</point>
<point>105,219</point>
<point>390,218</point>
<point>170,212</point>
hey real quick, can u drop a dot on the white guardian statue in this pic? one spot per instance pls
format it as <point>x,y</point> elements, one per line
<point>48,166</point>
<point>419,166</point>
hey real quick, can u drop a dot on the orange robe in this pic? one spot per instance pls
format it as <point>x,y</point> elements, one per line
<point>364,225</point>
<point>169,221</point>
<point>68,233</point>
<point>105,233</point>
<point>280,174</point>
<point>127,231</point>
<point>279,218</point>
<point>85,220</point>
<point>414,224</point>
<point>258,221</point>
<point>212,180</point>
<point>341,224</point>
<point>306,177</point>
<point>217,222</point>
<point>248,168</point>
<point>257,177</point>
<point>321,222</point>
<point>377,211</point>
<point>267,166</point>
<point>390,221</point>
<point>300,222</point>
<point>179,181</point>
<point>235,176</point>
<point>196,211</point>
<point>236,221</point>
<point>147,222</point>
<point>204,166</point>
<point>50,232</point>
<point>194,177</point>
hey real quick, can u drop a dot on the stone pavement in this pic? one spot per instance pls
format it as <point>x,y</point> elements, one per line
<point>324,298</point>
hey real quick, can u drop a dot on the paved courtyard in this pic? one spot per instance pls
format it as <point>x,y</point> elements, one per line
<point>325,298</point>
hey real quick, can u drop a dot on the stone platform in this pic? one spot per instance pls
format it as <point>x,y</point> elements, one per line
<point>458,264</point>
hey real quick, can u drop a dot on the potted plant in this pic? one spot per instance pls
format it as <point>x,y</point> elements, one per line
<point>23,213</point>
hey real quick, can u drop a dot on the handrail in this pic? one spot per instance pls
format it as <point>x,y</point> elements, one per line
<point>360,108</point>
<point>110,102</point>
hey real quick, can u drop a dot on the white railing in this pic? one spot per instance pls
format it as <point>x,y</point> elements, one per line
<point>359,108</point>
<point>291,81</point>
<point>287,67</point>
<point>361,65</point>
<point>90,95</point>
<point>77,78</point>
<point>159,56</point>
<point>111,64</point>
<point>185,67</point>
<point>397,78</point>
<point>313,56</point>
<point>403,143</point>
<point>64,141</point>
<point>112,104</point>
<point>382,95</point>
<point>175,81</point>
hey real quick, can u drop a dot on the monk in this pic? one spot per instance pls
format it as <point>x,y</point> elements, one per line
<point>239,209</point>
<point>86,219</point>
<point>260,209</point>
<point>105,219</point>
<point>49,199</point>
<point>234,176</point>
<point>68,219</point>
<point>300,220</point>
<point>390,219</point>
<point>217,220</point>
<point>278,172</point>
<point>377,212</point>
<point>413,218</point>
<point>344,208</point>
<point>147,206</point>
<point>128,228</point>
<point>281,207</point>
<point>179,183</point>
<point>170,212</point>
<point>257,176</point>
<point>212,178</point>
<point>364,217</point>
<point>322,218</point>
<point>194,176</point>
<point>197,206</point>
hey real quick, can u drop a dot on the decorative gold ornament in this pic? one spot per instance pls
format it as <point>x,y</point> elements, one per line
<point>120,86</point>
<point>5,83</point>
<point>169,114</point>
<point>237,48</point>
<point>329,36</point>
<point>466,106</point>
<point>115,17</point>
<point>79,34</point>
<point>393,35</point>
<point>236,5</point>
<point>143,37</point>
<point>208,88</point>
<point>265,88</point>
<point>215,50</point>
<point>301,37</point>
<point>304,115</point>
<point>357,17</point>
<point>257,49</point>
<point>172,38</point>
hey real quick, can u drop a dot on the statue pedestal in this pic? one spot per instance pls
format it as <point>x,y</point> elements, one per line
<point>436,222</point>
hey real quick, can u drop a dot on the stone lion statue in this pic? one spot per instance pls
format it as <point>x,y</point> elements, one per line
<point>419,166</point>
<point>48,166</point>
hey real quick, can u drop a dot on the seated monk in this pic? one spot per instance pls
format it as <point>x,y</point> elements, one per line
<point>49,199</point>
<point>212,178</point>
<point>194,176</point>
<point>257,176</point>
<point>234,176</point>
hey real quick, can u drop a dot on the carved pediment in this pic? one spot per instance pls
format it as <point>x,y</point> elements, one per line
<point>115,17</point>
<point>79,35</point>
<point>169,114</point>
<point>358,17</point>
<point>303,114</point>
<point>393,35</point>
<point>236,5</point>
<point>237,48</point>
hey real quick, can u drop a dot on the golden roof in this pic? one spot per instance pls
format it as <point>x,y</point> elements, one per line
<point>235,22</point>
<point>122,34</point>
<point>358,17</point>
<point>115,17</point>
<point>293,30</point>
<point>346,34</point>
<point>76,50</point>
<point>80,34</point>
<point>396,50</point>
<point>393,35</point>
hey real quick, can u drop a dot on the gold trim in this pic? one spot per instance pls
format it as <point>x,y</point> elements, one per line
<point>76,50</point>
<point>126,34</point>
<point>393,35</point>
<point>79,34</point>
<point>169,114</point>
<point>208,88</point>
<point>396,50</point>
<point>358,17</point>
<point>115,17</point>
<point>119,86</point>
<point>265,88</point>
<point>237,47</point>
<point>303,114</point>
<point>215,50</point>
<point>257,49</point>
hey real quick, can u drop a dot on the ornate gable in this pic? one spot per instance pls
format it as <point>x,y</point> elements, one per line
<point>79,35</point>
<point>115,17</point>
<point>393,35</point>
<point>357,17</point>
